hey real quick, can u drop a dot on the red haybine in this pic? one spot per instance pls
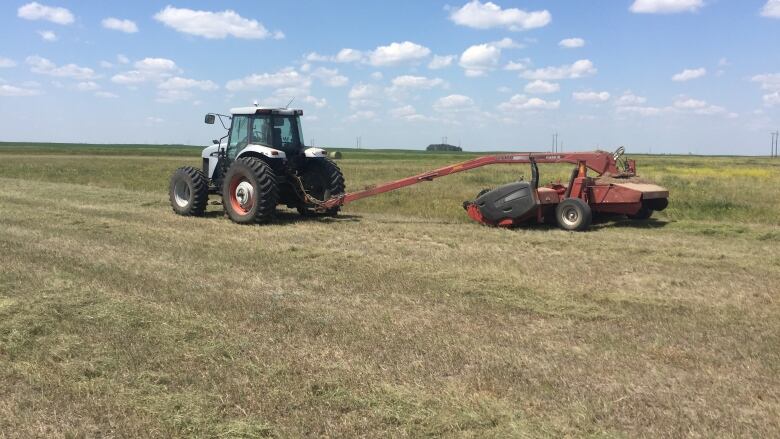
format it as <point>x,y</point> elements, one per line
<point>571,205</point>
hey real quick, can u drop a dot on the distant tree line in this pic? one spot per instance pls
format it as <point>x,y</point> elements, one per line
<point>443,147</point>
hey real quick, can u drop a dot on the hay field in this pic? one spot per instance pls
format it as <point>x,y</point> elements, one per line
<point>400,318</point>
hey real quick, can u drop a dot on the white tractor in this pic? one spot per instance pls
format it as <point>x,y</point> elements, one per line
<point>260,163</point>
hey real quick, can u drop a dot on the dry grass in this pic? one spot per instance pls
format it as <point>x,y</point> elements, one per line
<point>119,319</point>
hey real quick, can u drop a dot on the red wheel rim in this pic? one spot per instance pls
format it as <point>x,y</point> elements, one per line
<point>242,197</point>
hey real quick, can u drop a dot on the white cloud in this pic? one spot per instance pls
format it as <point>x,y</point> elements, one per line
<point>391,55</point>
<point>518,65</point>
<point>361,115</point>
<point>572,43</point>
<point>630,99</point>
<point>769,81</point>
<point>689,104</point>
<point>579,69</point>
<point>453,102</point>
<point>147,69</point>
<point>362,91</point>
<point>330,77</point>
<point>319,103</point>
<point>377,76</point>
<point>87,86</point>
<point>347,55</point>
<point>45,67</point>
<point>403,112</point>
<point>179,83</point>
<point>6,63</point>
<point>122,59</point>
<point>590,96</point>
<point>697,106</point>
<point>771,9</point>
<point>478,15</point>
<point>441,61</point>
<point>479,59</point>
<point>363,95</point>
<point>156,64</point>
<point>665,6</point>
<point>213,25</point>
<point>682,105</point>
<point>48,35</point>
<point>397,53</point>
<point>106,65</point>
<point>541,87</point>
<point>37,11</point>
<point>106,95</point>
<point>409,81</point>
<point>344,56</point>
<point>642,111</point>
<point>316,57</point>
<point>285,78</point>
<point>688,74</point>
<point>523,102</point>
<point>771,99</point>
<point>10,90</point>
<point>126,26</point>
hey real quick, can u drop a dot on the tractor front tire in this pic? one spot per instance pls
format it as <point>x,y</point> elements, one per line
<point>573,214</point>
<point>322,179</point>
<point>189,191</point>
<point>249,191</point>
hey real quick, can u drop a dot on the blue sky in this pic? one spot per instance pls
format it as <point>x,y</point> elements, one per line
<point>699,76</point>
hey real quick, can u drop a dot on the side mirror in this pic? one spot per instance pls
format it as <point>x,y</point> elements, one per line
<point>210,118</point>
<point>215,141</point>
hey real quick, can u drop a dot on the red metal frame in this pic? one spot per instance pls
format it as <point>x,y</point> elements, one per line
<point>600,162</point>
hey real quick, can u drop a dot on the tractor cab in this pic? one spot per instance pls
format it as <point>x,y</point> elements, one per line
<point>275,128</point>
<point>274,135</point>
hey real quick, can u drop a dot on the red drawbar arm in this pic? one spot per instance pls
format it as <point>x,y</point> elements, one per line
<point>599,161</point>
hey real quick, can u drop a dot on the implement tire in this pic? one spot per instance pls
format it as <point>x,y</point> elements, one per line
<point>573,214</point>
<point>322,179</point>
<point>189,192</point>
<point>249,191</point>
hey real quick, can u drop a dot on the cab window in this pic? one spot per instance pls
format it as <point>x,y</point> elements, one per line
<point>286,135</point>
<point>261,130</point>
<point>239,136</point>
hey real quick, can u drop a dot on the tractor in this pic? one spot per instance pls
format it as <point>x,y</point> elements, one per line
<point>260,163</point>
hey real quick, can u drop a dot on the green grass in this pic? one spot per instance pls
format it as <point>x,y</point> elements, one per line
<point>401,318</point>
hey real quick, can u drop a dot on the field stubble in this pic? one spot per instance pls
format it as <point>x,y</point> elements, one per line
<point>400,318</point>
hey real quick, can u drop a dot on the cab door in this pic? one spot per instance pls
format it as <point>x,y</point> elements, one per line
<point>239,137</point>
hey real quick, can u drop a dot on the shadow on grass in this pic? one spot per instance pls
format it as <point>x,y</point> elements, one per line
<point>607,222</point>
<point>289,217</point>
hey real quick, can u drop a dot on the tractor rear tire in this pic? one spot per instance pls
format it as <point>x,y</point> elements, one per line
<point>189,192</point>
<point>249,191</point>
<point>322,179</point>
<point>573,214</point>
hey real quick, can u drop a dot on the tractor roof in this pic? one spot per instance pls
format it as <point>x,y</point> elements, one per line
<point>266,110</point>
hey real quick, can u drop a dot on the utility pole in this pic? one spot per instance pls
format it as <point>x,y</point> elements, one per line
<point>773,148</point>
<point>555,142</point>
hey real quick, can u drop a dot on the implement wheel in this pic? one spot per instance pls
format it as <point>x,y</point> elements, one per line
<point>642,214</point>
<point>189,192</point>
<point>249,191</point>
<point>573,214</point>
<point>322,179</point>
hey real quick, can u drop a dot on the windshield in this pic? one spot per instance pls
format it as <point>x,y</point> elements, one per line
<point>277,131</point>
